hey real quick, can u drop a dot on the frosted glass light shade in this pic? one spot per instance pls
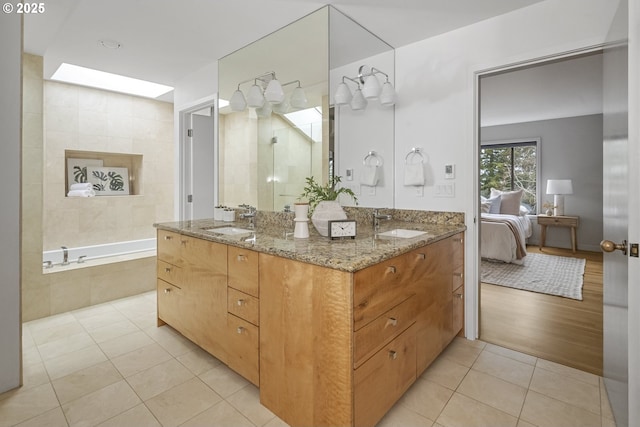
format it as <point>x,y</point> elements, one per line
<point>359,102</point>
<point>264,111</point>
<point>387,94</point>
<point>371,88</point>
<point>298,98</point>
<point>281,108</point>
<point>255,99</point>
<point>343,94</point>
<point>274,93</point>
<point>237,101</point>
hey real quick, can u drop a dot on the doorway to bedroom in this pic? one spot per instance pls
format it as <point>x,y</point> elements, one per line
<point>545,301</point>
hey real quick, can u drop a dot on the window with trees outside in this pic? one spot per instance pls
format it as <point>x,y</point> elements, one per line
<point>510,166</point>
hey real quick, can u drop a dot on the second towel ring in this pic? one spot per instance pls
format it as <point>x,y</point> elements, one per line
<point>415,151</point>
<point>372,155</point>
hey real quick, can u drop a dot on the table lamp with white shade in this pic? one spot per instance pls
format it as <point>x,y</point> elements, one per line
<point>559,187</point>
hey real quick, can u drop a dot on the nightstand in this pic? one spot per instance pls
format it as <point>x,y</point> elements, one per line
<point>558,221</point>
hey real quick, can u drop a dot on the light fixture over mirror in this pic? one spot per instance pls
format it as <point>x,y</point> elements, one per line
<point>370,89</point>
<point>267,89</point>
<point>264,158</point>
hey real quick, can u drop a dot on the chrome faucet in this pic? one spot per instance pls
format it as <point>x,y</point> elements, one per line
<point>65,255</point>
<point>377,216</point>
<point>251,214</point>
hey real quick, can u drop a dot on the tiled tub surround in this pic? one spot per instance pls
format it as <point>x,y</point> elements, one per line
<point>274,235</point>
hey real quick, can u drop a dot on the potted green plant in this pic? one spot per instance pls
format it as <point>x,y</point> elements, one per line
<point>323,202</point>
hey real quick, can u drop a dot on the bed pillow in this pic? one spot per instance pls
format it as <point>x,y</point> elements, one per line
<point>510,201</point>
<point>490,205</point>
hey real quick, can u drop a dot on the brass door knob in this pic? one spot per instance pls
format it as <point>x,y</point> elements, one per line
<point>609,246</point>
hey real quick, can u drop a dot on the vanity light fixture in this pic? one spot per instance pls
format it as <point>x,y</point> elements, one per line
<point>371,89</point>
<point>266,89</point>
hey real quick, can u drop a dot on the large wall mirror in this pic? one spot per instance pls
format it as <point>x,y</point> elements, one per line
<point>265,153</point>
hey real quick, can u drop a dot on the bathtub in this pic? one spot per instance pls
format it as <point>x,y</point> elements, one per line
<point>98,254</point>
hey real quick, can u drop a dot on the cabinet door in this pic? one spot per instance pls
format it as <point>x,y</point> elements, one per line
<point>205,289</point>
<point>243,270</point>
<point>384,378</point>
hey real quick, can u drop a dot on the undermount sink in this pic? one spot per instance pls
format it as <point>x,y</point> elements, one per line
<point>402,233</point>
<point>229,231</point>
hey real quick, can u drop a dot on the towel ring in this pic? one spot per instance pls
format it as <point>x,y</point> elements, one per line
<point>416,151</point>
<point>370,156</point>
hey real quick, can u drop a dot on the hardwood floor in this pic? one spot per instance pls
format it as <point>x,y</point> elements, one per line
<point>559,329</point>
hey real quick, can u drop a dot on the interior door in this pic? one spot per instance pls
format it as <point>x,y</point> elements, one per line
<point>203,164</point>
<point>198,164</point>
<point>616,190</point>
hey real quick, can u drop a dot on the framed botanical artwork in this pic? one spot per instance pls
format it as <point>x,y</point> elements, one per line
<point>77,170</point>
<point>108,180</point>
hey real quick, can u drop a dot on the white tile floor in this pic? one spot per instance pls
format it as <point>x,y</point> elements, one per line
<point>109,365</point>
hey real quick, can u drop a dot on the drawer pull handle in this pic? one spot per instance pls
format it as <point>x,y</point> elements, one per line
<point>393,355</point>
<point>458,295</point>
<point>167,270</point>
<point>168,237</point>
<point>422,256</point>
<point>240,302</point>
<point>460,275</point>
<point>391,269</point>
<point>392,321</point>
<point>240,329</point>
<point>167,290</point>
<point>242,257</point>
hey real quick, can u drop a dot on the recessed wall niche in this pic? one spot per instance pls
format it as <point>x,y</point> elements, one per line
<point>122,163</point>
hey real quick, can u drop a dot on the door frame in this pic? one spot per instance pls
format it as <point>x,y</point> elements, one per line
<point>184,170</point>
<point>472,312</point>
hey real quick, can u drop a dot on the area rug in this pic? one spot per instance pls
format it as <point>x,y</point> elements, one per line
<point>547,274</point>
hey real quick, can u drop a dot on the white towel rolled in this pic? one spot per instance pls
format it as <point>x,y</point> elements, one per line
<point>414,174</point>
<point>370,175</point>
<point>81,186</point>
<point>81,193</point>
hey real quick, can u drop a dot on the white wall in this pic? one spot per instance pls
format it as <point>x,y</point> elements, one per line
<point>436,84</point>
<point>570,148</point>
<point>10,120</point>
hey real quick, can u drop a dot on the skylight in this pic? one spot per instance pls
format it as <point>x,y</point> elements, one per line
<point>99,79</point>
<point>308,121</point>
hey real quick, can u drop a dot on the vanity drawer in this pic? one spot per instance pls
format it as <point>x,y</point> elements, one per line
<point>169,272</point>
<point>242,348</point>
<point>170,300</point>
<point>384,378</point>
<point>243,305</point>
<point>379,332</point>
<point>170,247</point>
<point>378,288</point>
<point>243,270</point>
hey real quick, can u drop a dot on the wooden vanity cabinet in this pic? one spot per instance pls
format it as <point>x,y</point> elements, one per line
<point>192,289</point>
<point>340,348</point>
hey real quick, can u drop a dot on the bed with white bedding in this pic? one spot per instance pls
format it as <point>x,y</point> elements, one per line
<point>503,237</point>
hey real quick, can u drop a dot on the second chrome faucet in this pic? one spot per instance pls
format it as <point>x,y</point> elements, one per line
<point>377,216</point>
